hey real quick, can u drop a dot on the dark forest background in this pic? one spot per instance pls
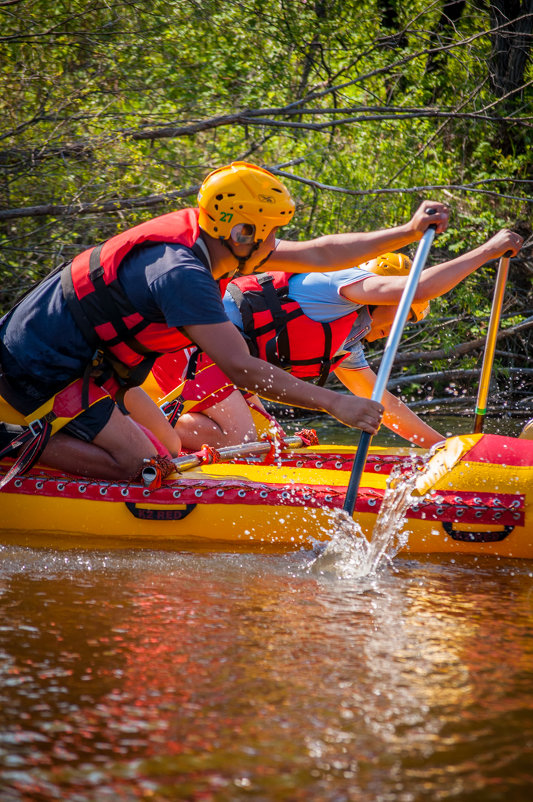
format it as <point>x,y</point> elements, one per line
<point>114,111</point>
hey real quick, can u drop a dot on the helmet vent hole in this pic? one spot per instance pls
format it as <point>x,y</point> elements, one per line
<point>275,189</point>
<point>219,197</point>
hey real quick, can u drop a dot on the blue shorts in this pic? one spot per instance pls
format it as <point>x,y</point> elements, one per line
<point>32,394</point>
<point>91,422</point>
<point>356,359</point>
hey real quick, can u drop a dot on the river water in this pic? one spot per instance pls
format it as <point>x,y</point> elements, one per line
<point>152,675</point>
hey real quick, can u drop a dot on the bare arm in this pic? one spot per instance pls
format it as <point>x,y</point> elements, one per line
<point>397,417</point>
<point>341,251</point>
<point>223,343</point>
<point>436,280</point>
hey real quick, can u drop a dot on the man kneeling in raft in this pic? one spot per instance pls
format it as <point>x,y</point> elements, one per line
<point>91,331</point>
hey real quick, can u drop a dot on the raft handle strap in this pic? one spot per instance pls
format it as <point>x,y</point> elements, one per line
<point>476,537</point>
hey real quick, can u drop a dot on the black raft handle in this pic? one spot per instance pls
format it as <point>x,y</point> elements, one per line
<point>146,514</point>
<point>476,537</point>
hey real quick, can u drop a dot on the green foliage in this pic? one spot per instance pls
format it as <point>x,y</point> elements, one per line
<point>120,101</point>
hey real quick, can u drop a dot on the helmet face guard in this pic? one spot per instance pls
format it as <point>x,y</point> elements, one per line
<point>243,234</point>
<point>396,264</point>
<point>243,195</point>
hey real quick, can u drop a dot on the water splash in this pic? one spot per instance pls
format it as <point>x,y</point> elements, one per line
<point>348,554</point>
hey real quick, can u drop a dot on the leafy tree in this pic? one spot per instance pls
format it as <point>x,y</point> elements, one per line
<point>114,112</point>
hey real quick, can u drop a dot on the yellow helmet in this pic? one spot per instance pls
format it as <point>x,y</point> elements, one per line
<point>396,264</point>
<point>240,196</point>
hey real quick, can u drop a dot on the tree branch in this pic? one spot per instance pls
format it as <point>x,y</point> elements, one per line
<point>455,350</point>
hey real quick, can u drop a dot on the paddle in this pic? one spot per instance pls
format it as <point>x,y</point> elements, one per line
<point>490,345</point>
<point>386,362</point>
<point>226,454</point>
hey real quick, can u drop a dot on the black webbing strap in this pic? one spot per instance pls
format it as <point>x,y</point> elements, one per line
<point>325,362</point>
<point>74,306</point>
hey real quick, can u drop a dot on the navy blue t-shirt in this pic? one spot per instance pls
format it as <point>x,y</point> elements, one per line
<point>165,282</point>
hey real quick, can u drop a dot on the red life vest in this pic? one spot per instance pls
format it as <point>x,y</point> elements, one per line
<point>279,332</point>
<point>102,310</point>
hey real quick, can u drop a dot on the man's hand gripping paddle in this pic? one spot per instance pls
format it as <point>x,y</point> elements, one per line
<point>388,358</point>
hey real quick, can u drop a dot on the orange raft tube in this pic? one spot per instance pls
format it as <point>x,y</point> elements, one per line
<point>475,496</point>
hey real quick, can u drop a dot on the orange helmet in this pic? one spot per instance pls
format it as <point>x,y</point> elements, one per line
<point>244,200</point>
<point>396,264</point>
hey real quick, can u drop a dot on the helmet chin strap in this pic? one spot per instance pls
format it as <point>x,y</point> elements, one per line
<point>241,260</point>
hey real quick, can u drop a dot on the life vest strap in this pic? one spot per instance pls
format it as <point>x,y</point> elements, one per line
<point>41,423</point>
<point>31,442</point>
<point>272,336</point>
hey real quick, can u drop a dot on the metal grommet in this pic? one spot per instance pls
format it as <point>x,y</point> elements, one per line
<point>219,492</point>
<point>177,494</point>
<point>198,492</point>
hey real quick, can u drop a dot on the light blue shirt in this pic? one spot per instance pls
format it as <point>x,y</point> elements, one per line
<point>320,298</point>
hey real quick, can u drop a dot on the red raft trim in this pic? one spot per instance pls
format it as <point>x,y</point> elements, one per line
<point>453,506</point>
<point>375,463</point>
<point>499,450</point>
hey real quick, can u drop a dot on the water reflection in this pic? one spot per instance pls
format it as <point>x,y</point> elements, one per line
<point>172,676</point>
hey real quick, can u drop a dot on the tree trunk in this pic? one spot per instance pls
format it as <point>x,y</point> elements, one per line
<point>512,23</point>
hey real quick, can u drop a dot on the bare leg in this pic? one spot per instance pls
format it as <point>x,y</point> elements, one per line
<point>116,453</point>
<point>227,423</point>
<point>146,412</point>
<point>398,417</point>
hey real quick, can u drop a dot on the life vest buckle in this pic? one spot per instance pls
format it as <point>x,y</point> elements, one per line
<point>168,406</point>
<point>36,426</point>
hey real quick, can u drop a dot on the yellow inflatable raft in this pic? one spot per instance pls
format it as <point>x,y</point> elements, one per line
<point>474,496</point>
